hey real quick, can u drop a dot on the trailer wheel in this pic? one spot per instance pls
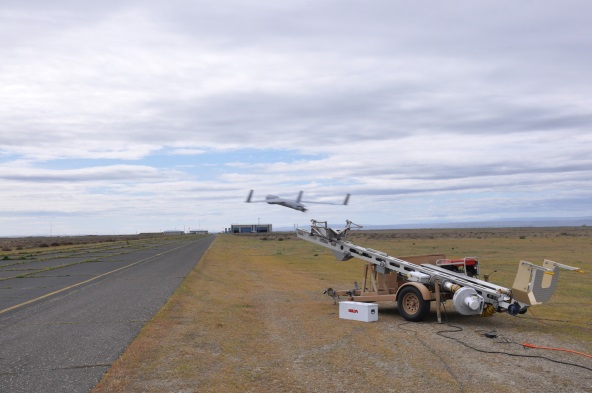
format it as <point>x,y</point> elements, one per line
<point>412,305</point>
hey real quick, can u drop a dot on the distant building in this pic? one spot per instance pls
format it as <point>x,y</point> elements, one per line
<point>198,232</point>
<point>173,233</point>
<point>250,228</point>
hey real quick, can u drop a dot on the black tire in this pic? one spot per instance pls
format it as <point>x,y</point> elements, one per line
<point>412,305</point>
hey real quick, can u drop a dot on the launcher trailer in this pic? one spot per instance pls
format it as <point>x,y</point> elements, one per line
<point>415,281</point>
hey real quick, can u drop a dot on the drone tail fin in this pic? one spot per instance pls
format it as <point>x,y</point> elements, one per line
<point>346,199</point>
<point>249,197</point>
<point>299,197</point>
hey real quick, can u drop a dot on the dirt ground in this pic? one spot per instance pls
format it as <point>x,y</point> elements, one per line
<point>251,317</point>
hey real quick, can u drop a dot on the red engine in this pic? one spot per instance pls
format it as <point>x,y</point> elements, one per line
<point>468,265</point>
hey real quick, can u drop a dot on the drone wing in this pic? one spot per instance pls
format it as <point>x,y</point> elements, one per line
<point>250,200</point>
<point>345,202</point>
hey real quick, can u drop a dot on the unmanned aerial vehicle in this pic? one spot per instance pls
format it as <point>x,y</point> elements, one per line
<point>296,204</point>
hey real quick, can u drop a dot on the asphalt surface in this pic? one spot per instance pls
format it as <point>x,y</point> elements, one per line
<point>66,317</point>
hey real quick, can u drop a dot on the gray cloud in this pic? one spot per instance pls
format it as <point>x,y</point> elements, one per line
<point>385,99</point>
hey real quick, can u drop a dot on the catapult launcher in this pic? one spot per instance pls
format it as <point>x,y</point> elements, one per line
<point>414,281</point>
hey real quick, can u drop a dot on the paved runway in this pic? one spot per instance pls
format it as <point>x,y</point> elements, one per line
<point>64,319</point>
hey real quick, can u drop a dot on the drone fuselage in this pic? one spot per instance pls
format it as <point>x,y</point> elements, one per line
<point>275,200</point>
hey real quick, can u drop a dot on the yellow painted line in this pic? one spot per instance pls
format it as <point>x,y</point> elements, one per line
<point>86,281</point>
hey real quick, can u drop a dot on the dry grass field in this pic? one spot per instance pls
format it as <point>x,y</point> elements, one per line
<point>251,317</point>
<point>21,245</point>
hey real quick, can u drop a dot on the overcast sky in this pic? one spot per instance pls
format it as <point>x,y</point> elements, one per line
<point>125,116</point>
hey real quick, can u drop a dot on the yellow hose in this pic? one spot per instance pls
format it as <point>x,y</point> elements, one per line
<point>488,310</point>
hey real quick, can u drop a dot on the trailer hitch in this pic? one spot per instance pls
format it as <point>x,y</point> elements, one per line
<point>332,294</point>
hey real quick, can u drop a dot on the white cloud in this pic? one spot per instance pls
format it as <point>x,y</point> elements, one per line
<point>435,108</point>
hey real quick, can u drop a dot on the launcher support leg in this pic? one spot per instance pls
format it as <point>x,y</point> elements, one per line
<point>365,281</point>
<point>438,300</point>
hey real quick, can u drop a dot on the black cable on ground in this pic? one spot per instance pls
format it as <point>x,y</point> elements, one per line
<point>586,326</point>
<point>460,329</point>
